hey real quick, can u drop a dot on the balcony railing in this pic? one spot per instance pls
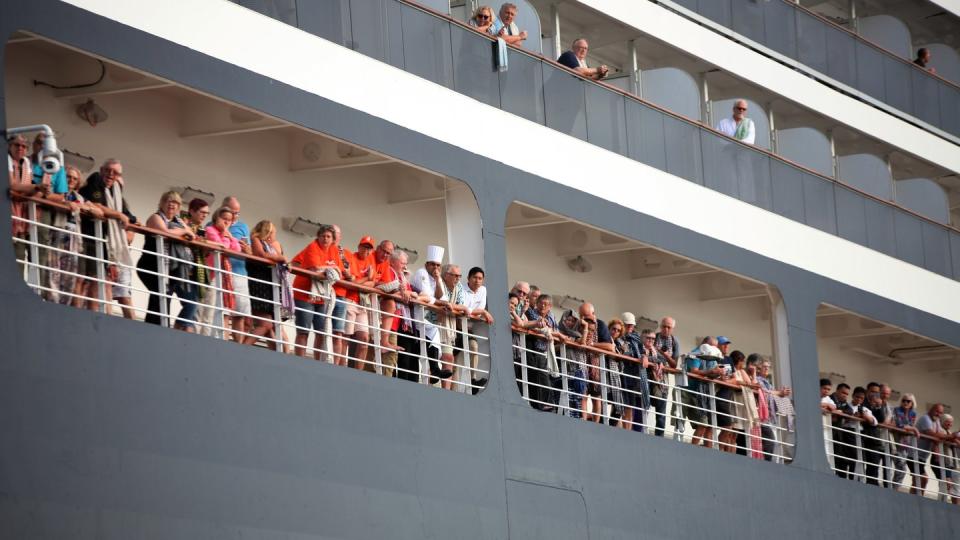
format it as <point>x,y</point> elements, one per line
<point>54,253</point>
<point>883,460</point>
<point>806,37</point>
<point>669,407</point>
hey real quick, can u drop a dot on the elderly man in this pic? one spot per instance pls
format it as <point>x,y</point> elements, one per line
<point>505,27</point>
<point>771,392</point>
<point>240,317</point>
<point>396,321</point>
<point>381,258</point>
<point>105,190</point>
<point>703,361</point>
<point>928,447</point>
<point>454,300</point>
<point>428,283</point>
<point>576,59</point>
<point>21,183</point>
<point>594,334</point>
<point>542,388</point>
<point>739,126</point>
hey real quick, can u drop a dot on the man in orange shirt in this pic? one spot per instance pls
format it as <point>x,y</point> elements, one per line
<point>357,323</point>
<point>381,258</point>
<point>319,256</point>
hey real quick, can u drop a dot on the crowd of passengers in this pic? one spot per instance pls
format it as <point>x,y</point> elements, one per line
<point>249,299</point>
<point>746,419</point>
<point>869,410</point>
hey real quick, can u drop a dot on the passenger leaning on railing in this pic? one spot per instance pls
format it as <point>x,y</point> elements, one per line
<point>240,312</point>
<point>218,232</point>
<point>951,459</point>
<point>264,244</point>
<point>929,446</point>
<point>905,418</point>
<point>68,261</point>
<point>181,274</point>
<point>704,361</point>
<point>320,255</point>
<point>542,376</point>
<point>615,390</point>
<point>596,335</point>
<point>636,389</point>
<point>105,189</point>
<point>395,282</point>
<point>197,213</point>
<point>364,270</point>
<point>872,442</point>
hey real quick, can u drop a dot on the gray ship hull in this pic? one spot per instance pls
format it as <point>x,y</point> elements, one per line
<point>115,429</point>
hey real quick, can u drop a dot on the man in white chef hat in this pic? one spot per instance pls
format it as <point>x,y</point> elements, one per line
<point>427,282</point>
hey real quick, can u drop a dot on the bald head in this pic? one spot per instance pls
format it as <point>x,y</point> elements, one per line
<point>587,310</point>
<point>667,324</point>
<point>739,109</point>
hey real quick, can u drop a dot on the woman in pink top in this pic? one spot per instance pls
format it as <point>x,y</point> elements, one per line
<point>218,232</point>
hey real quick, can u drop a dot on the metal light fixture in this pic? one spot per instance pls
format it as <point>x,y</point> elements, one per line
<point>302,226</point>
<point>188,194</point>
<point>92,113</point>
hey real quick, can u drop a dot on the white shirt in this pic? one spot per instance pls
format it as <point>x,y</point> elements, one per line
<point>475,300</point>
<point>728,127</point>
<point>423,282</point>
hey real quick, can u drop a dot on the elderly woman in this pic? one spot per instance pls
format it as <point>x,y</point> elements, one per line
<point>615,393</point>
<point>167,220</point>
<point>71,265</point>
<point>483,20</point>
<point>905,444</point>
<point>264,243</point>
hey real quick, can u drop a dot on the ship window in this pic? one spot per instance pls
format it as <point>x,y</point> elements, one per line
<point>856,351</point>
<point>574,263</point>
<point>170,139</point>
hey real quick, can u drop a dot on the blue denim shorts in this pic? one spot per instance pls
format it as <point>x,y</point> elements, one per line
<point>339,315</point>
<point>308,316</point>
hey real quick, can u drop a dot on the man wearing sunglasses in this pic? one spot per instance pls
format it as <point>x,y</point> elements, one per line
<point>739,126</point>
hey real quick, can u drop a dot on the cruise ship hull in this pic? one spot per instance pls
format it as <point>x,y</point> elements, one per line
<point>115,429</point>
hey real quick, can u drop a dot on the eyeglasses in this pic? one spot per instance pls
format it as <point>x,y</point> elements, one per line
<point>19,145</point>
<point>483,17</point>
<point>112,172</point>
<point>739,108</point>
<point>651,338</point>
<point>521,293</point>
<point>454,275</point>
<point>906,401</point>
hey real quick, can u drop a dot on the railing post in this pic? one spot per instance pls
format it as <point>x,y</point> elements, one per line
<point>424,359</point>
<point>942,484</point>
<point>464,371</point>
<point>101,262</point>
<point>859,466</point>
<point>523,371</point>
<point>828,441</point>
<point>277,307</point>
<point>917,466</point>
<point>679,426</point>
<point>886,474</point>
<point>33,270</point>
<point>217,321</point>
<point>603,388</point>
<point>564,403</point>
<point>714,427</point>
<point>162,281</point>
<point>377,333</point>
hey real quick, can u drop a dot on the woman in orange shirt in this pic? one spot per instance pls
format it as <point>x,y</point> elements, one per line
<point>319,256</point>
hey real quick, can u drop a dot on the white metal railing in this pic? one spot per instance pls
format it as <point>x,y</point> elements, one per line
<point>884,461</point>
<point>44,274</point>
<point>681,411</point>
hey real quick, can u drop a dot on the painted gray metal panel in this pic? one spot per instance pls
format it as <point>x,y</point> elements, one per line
<point>682,146</point>
<point>949,108</point>
<point>720,163</point>
<point>812,43</point>
<point>329,19</point>
<point>851,216</point>
<point>753,173</point>
<point>747,19</point>
<point>564,101</point>
<point>606,119</point>
<point>780,28</point>
<point>898,84</point>
<point>926,97</point>
<point>521,88</point>
<point>645,135</point>
<point>909,234</point>
<point>375,35</point>
<point>786,190</point>
<point>936,250</point>
<point>209,439</point>
<point>841,55</point>
<point>426,47</point>
<point>955,253</point>
<point>819,205</point>
<point>881,234</point>
<point>473,70</point>
<point>869,69</point>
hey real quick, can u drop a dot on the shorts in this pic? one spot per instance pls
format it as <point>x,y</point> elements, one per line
<point>357,319</point>
<point>308,316</point>
<point>121,287</point>
<point>693,409</point>
<point>241,289</point>
<point>339,315</point>
<point>953,488</point>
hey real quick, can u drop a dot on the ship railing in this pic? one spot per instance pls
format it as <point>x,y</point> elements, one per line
<point>46,275</point>
<point>563,391</point>
<point>891,457</point>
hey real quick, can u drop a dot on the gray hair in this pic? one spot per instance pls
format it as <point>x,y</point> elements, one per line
<point>397,253</point>
<point>108,162</point>
<point>946,418</point>
<point>445,269</point>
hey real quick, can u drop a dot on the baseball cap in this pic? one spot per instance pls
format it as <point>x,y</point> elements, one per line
<point>628,318</point>
<point>367,240</point>
<point>723,340</point>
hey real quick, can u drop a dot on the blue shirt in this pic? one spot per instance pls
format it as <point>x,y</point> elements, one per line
<point>58,182</point>
<point>240,231</point>
<point>694,362</point>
